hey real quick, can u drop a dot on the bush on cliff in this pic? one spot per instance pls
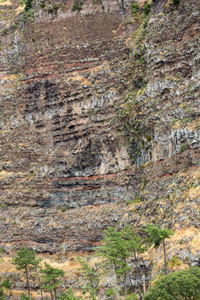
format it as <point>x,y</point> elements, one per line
<point>177,286</point>
<point>176,2</point>
<point>77,5</point>
<point>28,5</point>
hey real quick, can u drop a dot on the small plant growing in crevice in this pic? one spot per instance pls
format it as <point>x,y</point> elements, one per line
<point>77,5</point>
<point>28,5</point>
<point>63,209</point>
<point>135,8</point>
<point>176,2</point>
<point>182,147</point>
<point>147,10</point>
<point>4,31</point>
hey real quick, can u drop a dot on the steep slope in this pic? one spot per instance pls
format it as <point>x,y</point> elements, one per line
<point>99,121</point>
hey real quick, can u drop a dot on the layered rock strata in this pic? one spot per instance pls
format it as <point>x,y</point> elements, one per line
<point>99,121</point>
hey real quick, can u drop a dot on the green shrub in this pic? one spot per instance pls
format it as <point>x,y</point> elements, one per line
<point>4,206</point>
<point>132,297</point>
<point>2,250</point>
<point>148,138</point>
<point>63,209</point>
<point>77,5</point>
<point>60,64</point>
<point>6,284</point>
<point>177,286</point>
<point>176,2</point>
<point>110,292</point>
<point>175,261</point>
<point>147,9</point>
<point>42,4</point>
<point>135,8</point>
<point>4,31</point>
<point>24,297</point>
<point>182,147</point>
<point>28,4</point>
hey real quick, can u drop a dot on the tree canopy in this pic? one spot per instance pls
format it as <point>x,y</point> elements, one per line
<point>156,234</point>
<point>183,285</point>
<point>24,260</point>
<point>51,278</point>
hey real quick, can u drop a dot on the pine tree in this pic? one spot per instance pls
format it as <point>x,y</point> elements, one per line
<point>69,296</point>
<point>92,279</point>
<point>25,260</point>
<point>2,294</point>
<point>35,268</point>
<point>24,297</point>
<point>51,279</point>
<point>118,246</point>
<point>157,236</point>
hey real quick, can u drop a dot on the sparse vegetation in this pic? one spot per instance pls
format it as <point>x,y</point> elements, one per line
<point>120,247</point>
<point>157,236</point>
<point>77,5</point>
<point>182,147</point>
<point>135,8</point>
<point>147,9</point>
<point>4,31</point>
<point>176,2</point>
<point>63,209</point>
<point>28,5</point>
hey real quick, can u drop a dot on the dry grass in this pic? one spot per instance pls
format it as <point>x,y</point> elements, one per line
<point>4,174</point>
<point>6,3</point>
<point>183,242</point>
<point>80,79</point>
<point>104,66</point>
<point>180,244</point>
<point>19,9</point>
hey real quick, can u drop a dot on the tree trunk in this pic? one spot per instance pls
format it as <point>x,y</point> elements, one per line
<point>125,285</point>
<point>27,282</point>
<point>54,282</point>
<point>165,257</point>
<point>144,284</point>
<point>51,295</point>
<point>36,271</point>
<point>137,272</point>
<point>55,294</point>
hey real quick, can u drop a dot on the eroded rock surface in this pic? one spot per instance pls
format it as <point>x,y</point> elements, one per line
<point>99,121</point>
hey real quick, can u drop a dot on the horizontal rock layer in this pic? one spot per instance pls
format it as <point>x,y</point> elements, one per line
<point>99,122</point>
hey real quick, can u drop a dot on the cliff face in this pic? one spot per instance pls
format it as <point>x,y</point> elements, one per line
<point>99,120</point>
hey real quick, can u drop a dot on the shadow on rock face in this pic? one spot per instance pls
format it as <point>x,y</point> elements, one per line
<point>158,6</point>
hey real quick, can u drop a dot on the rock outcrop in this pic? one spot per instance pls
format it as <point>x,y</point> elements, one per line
<point>99,120</point>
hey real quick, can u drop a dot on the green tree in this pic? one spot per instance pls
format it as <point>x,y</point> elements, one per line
<point>24,297</point>
<point>157,236</point>
<point>25,260</point>
<point>91,277</point>
<point>2,294</point>
<point>118,246</point>
<point>183,285</point>
<point>51,279</point>
<point>4,284</point>
<point>69,296</point>
<point>35,268</point>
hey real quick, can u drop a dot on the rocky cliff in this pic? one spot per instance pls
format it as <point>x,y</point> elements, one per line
<point>99,120</point>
